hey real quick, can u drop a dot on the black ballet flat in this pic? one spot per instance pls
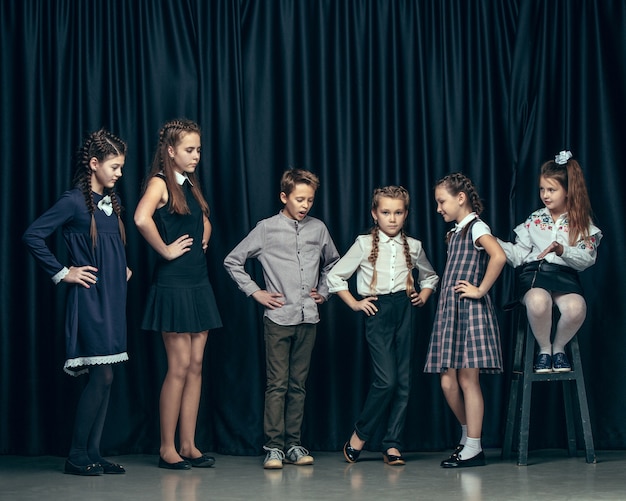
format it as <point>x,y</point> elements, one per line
<point>204,461</point>
<point>393,460</point>
<point>457,462</point>
<point>180,465</point>
<point>350,453</point>
<point>88,470</point>
<point>112,468</point>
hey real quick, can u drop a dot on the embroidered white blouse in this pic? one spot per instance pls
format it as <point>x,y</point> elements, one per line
<point>539,231</point>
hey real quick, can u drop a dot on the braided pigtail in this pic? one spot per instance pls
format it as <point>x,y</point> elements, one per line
<point>373,257</point>
<point>118,212</point>
<point>456,183</point>
<point>396,193</point>
<point>410,283</point>
<point>100,145</point>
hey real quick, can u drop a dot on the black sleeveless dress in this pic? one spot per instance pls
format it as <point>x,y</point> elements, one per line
<point>181,298</point>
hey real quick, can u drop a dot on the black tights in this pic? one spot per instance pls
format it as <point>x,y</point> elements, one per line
<point>90,415</point>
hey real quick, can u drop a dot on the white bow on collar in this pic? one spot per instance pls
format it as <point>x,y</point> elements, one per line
<point>105,205</point>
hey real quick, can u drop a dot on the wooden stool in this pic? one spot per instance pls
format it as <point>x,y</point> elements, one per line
<point>518,414</point>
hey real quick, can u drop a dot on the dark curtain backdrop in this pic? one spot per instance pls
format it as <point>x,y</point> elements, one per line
<point>364,93</point>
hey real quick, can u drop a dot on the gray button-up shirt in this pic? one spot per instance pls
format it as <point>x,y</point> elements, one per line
<point>296,257</point>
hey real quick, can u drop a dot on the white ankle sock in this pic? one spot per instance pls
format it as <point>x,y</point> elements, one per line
<point>471,448</point>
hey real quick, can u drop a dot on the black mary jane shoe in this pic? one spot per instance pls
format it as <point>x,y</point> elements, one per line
<point>455,454</point>
<point>88,470</point>
<point>350,453</point>
<point>457,462</point>
<point>204,461</point>
<point>393,460</point>
<point>180,465</point>
<point>109,468</point>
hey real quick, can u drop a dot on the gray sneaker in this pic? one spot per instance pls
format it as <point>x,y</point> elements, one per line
<point>273,458</point>
<point>298,455</point>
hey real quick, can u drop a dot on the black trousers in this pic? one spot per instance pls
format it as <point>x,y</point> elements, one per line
<point>390,341</point>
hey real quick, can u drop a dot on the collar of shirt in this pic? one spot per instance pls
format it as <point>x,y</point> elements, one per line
<point>465,221</point>
<point>181,178</point>
<point>384,238</point>
<point>545,211</point>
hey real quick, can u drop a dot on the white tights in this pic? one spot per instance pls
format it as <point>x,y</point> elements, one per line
<point>573,310</point>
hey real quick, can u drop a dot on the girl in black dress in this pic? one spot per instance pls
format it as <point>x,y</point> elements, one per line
<point>95,326</point>
<point>173,217</point>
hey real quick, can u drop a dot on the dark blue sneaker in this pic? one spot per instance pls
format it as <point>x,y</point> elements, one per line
<point>560,363</point>
<point>543,363</point>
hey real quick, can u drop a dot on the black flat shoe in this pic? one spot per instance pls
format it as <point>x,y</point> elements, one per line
<point>350,453</point>
<point>180,465</point>
<point>456,462</point>
<point>112,468</point>
<point>204,461</point>
<point>393,460</point>
<point>88,470</point>
<point>454,455</point>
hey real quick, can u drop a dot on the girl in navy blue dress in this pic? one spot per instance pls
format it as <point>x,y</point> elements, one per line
<point>95,326</point>
<point>173,217</point>
<point>465,340</point>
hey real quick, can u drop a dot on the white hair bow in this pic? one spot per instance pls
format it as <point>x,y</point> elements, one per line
<point>105,205</point>
<point>563,157</point>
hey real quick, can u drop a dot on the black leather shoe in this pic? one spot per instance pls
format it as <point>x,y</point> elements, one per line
<point>204,461</point>
<point>457,462</point>
<point>351,454</point>
<point>112,468</point>
<point>393,460</point>
<point>454,455</point>
<point>180,465</point>
<point>88,470</point>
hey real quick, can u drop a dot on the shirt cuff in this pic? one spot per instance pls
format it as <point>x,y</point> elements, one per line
<point>60,275</point>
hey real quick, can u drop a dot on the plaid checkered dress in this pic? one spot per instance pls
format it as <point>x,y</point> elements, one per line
<point>465,332</point>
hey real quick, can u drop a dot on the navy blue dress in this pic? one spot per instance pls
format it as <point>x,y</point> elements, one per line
<point>181,298</point>
<point>95,318</point>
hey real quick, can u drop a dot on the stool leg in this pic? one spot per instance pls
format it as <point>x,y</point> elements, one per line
<point>527,386</point>
<point>511,418</point>
<point>590,455</point>
<point>569,418</point>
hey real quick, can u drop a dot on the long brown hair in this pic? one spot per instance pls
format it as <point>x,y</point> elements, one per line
<point>397,193</point>
<point>100,145</point>
<point>170,135</point>
<point>570,177</point>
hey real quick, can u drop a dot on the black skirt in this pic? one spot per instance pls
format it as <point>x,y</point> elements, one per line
<point>548,276</point>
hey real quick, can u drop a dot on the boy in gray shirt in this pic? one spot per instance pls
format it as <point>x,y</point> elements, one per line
<point>296,253</point>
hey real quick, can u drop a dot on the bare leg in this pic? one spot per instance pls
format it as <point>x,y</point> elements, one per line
<point>474,410</point>
<point>178,349</point>
<point>473,398</point>
<point>452,392</point>
<point>538,304</point>
<point>573,312</point>
<point>191,397</point>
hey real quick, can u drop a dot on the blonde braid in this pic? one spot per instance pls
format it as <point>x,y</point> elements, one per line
<point>373,257</point>
<point>410,283</point>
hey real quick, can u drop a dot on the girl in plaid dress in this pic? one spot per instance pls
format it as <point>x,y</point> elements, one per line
<point>465,338</point>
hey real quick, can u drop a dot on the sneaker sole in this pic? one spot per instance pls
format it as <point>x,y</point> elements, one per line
<point>542,371</point>
<point>270,466</point>
<point>565,369</point>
